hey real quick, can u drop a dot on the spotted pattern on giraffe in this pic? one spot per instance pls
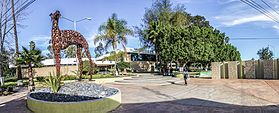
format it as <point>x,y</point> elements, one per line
<point>62,39</point>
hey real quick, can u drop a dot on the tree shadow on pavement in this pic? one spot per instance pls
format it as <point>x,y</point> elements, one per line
<point>193,105</point>
<point>15,106</point>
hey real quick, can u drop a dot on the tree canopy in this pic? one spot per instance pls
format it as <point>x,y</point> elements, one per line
<point>265,54</point>
<point>177,36</point>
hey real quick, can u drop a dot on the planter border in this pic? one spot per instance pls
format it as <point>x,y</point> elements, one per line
<point>100,105</point>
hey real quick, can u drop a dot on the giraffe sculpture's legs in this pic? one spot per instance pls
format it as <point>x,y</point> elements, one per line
<point>79,50</point>
<point>90,62</point>
<point>57,61</point>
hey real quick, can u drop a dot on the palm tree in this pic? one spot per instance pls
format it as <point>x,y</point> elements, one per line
<point>112,33</point>
<point>31,57</point>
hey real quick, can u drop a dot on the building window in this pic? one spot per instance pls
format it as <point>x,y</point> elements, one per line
<point>142,57</point>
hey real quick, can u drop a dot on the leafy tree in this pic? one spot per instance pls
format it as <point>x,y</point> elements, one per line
<point>113,32</point>
<point>71,52</point>
<point>265,54</point>
<point>5,60</point>
<point>30,58</point>
<point>118,56</point>
<point>50,55</point>
<point>178,37</point>
<point>122,66</point>
<point>86,68</point>
<point>10,14</point>
<point>99,50</point>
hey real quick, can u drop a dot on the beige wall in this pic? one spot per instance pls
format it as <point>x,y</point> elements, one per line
<point>259,69</point>
<point>142,66</point>
<point>44,71</point>
<point>139,66</point>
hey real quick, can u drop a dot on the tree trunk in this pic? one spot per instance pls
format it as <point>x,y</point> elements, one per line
<point>2,40</point>
<point>18,67</point>
<point>31,82</point>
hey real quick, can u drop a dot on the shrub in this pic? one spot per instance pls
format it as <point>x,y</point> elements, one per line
<point>54,82</point>
<point>123,65</point>
<point>40,79</point>
<point>70,77</point>
<point>86,68</point>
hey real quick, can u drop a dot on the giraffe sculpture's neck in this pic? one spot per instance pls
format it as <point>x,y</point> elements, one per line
<point>55,28</point>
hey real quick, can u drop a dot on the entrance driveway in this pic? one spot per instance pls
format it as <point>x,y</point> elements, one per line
<point>146,94</point>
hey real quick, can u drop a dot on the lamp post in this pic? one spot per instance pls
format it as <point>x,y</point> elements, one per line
<point>76,21</point>
<point>75,28</point>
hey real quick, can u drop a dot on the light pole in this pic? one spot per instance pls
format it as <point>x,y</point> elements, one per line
<point>75,28</point>
<point>76,21</point>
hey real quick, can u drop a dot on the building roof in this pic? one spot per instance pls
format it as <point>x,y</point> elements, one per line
<point>72,61</point>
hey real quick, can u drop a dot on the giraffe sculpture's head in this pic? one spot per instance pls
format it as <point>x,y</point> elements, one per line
<point>56,15</point>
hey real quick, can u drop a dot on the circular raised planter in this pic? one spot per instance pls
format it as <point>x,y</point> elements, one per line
<point>101,105</point>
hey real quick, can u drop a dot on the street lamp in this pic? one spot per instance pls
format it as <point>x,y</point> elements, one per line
<point>76,21</point>
<point>75,28</point>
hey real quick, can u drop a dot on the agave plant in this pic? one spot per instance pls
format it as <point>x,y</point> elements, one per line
<point>54,82</point>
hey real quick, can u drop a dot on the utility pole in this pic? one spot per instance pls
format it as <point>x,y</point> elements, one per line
<point>18,67</point>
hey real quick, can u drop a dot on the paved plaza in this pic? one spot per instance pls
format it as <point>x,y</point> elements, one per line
<point>157,94</point>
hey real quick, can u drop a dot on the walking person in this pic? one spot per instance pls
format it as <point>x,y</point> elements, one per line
<point>186,74</point>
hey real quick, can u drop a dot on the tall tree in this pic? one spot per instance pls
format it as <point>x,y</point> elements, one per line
<point>31,57</point>
<point>113,32</point>
<point>3,32</point>
<point>176,36</point>
<point>265,54</point>
<point>18,68</point>
<point>10,10</point>
<point>99,50</point>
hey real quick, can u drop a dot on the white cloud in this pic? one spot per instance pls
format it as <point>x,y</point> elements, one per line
<point>226,1</point>
<point>276,27</point>
<point>41,41</point>
<point>235,12</point>
<point>242,20</point>
<point>181,1</point>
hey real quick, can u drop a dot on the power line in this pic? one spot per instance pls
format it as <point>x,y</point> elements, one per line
<point>24,5</point>
<point>254,38</point>
<point>260,10</point>
<point>270,7</point>
<point>267,11</point>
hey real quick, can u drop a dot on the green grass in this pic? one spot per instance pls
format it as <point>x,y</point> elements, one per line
<point>13,83</point>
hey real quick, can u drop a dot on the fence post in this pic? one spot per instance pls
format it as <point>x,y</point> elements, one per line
<point>241,75</point>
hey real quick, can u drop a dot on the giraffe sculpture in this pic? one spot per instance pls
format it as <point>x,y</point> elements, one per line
<point>61,39</point>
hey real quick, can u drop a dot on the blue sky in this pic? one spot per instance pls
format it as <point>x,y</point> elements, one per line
<point>233,17</point>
